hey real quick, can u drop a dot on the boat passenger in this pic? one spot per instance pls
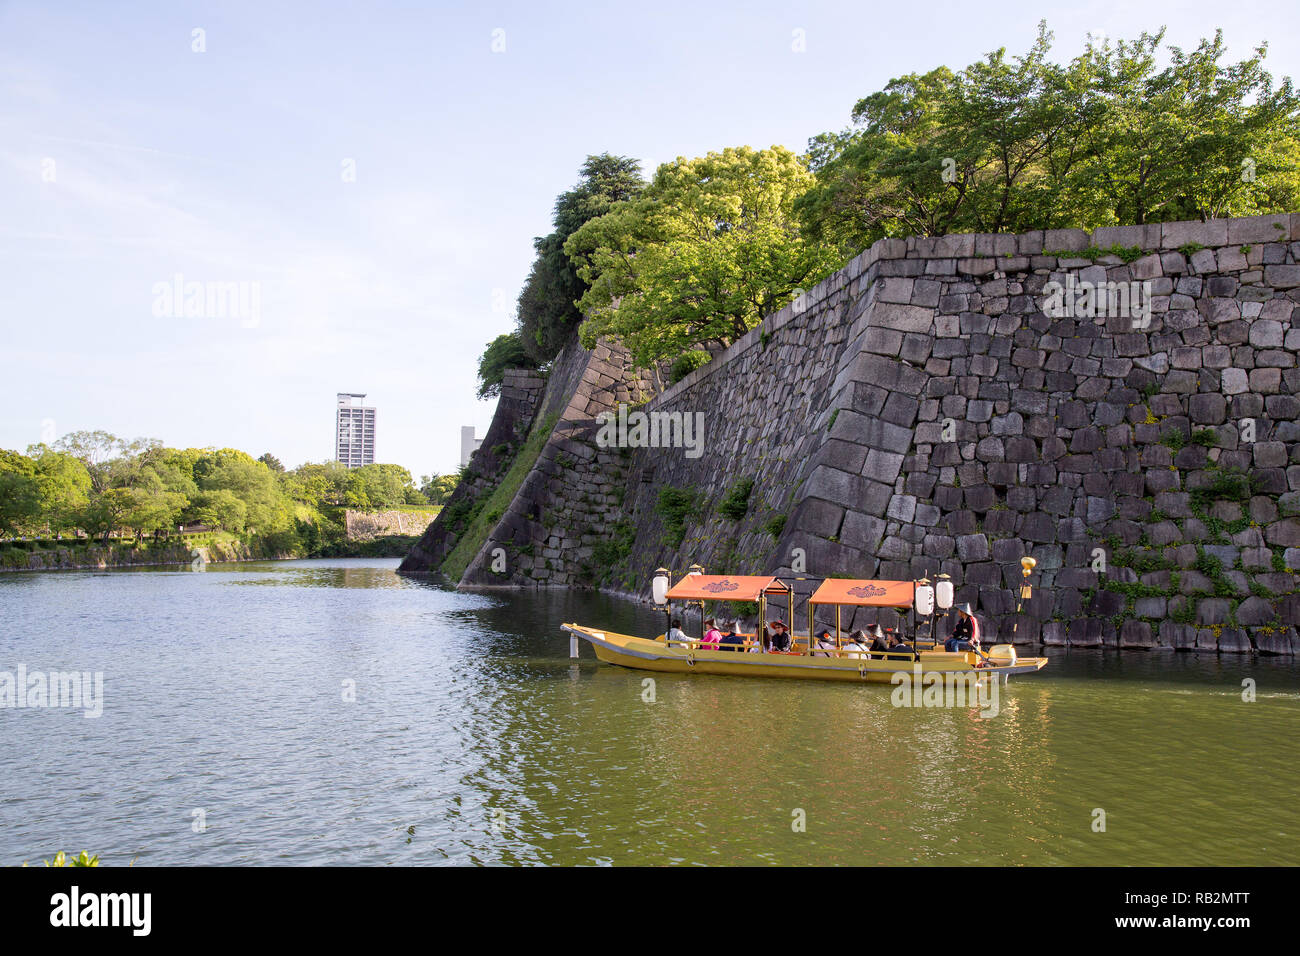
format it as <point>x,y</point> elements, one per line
<point>824,643</point>
<point>731,637</point>
<point>965,633</point>
<point>857,645</point>
<point>898,645</point>
<point>712,635</point>
<point>675,632</point>
<point>879,643</point>
<point>780,638</point>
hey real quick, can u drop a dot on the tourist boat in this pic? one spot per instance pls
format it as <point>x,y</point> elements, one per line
<point>693,656</point>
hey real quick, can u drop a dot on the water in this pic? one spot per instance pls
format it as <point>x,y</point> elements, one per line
<point>474,739</point>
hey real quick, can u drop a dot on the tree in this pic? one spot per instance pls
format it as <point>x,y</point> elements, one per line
<point>104,512</point>
<point>64,487</point>
<point>504,352</point>
<point>438,488</point>
<point>20,493</point>
<point>219,509</point>
<point>548,314</point>
<point>1014,145</point>
<point>709,248</point>
<point>95,449</point>
<point>150,510</point>
<point>271,462</point>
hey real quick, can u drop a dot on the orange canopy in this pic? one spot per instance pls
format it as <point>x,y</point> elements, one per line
<point>723,587</point>
<point>864,593</point>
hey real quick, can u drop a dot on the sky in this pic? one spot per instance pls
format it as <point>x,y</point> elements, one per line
<point>366,179</point>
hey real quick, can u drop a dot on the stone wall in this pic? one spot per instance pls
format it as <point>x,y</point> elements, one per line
<point>919,412</point>
<point>521,392</point>
<point>367,525</point>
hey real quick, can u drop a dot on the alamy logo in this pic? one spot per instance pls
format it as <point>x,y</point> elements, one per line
<point>1080,299</point>
<point>38,689</point>
<point>180,299</point>
<point>102,909</point>
<point>640,429</point>
<point>951,689</point>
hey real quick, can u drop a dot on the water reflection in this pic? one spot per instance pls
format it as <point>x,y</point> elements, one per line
<point>474,739</point>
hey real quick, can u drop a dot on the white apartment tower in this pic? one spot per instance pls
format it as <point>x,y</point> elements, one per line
<point>354,431</point>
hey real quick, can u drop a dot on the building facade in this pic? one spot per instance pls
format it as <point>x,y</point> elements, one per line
<point>468,444</point>
<point>354,431</point>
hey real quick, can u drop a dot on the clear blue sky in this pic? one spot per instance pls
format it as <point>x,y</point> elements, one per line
<point>126,159</point>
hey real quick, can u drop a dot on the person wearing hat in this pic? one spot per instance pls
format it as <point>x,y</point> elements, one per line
<point>824,643</point>
<point>897,645</point>
<point>731,637</point>
<point>878,641</point>
<point>965,633</point>
<point>780,637</point>
<point>857,645</point>
<point>712,635</point>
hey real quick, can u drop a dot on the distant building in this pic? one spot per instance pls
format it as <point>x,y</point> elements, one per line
<point>468,444</point>
<point>354,431</point>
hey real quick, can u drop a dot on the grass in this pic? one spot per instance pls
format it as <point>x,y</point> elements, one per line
<point>482,520</point>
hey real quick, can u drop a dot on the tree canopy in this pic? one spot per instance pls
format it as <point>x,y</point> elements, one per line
<point>710,247</point>
<point>1010,145</point>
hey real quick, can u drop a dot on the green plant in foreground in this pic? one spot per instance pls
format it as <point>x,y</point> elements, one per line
<point>61,859</point>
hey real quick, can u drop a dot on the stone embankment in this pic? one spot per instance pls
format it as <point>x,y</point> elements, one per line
<point>938,406</point>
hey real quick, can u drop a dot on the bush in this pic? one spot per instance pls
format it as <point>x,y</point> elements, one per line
<point>736,504</point>
<point>675,506</point>
<point>687,363</point>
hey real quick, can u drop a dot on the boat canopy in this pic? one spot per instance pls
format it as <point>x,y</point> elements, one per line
<point>724,587</point>
<point>864,593</point>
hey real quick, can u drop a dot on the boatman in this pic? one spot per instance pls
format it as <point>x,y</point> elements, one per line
<point>965,633</point>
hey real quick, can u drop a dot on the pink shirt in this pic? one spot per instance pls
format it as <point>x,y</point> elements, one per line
<point>712,636</point>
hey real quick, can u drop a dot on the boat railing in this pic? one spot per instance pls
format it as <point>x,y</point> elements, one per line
<point>744,647</point>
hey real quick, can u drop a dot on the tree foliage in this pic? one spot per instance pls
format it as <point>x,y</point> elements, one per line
<point>1010,145</point>
<point>504,352</point>
<point>709,248</point>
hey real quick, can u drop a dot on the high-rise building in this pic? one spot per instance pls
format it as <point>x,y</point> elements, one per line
<point>468,444</point>
<point>354,431</point>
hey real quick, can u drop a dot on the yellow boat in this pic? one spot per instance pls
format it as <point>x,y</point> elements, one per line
<point>694,656</point>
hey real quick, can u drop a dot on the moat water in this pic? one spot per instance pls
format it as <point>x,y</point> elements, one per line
<point>332,712</point>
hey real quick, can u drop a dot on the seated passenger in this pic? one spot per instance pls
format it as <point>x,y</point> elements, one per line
<point>712,636</point>
<point>879,642</point>
<point>780,638</point>
<point>731,638</point>
<point>898,645</point>
<point>824,643</point>
<point>675,632</point>
<point>857,645</point>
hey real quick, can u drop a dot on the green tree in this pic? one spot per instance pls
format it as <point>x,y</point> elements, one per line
<point>438,488</point>
<point>709,248</point>
<point>20,493</point>
<point>1010,145</point>
<point>221,509</point>
<point>64,487</point>
<point>504,352</point>
<point>548,314</point>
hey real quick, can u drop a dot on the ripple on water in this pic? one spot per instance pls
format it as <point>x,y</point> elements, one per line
<point>474,740</point>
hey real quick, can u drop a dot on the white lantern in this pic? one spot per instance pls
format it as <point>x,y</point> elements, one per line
<point>695,571</point>
<point>924,600</point>
<point>943,592</point>
<point>659,587</point>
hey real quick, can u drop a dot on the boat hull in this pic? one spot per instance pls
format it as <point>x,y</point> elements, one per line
<point>655,655</point>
